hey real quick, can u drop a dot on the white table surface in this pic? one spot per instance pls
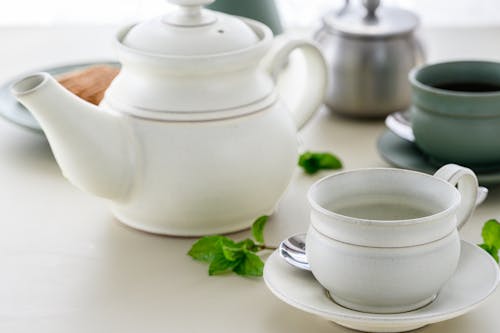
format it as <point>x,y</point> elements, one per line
<point>66,265</point>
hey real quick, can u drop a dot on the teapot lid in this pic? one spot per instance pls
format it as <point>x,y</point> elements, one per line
<point>191,30</point>
<point>372,21</point>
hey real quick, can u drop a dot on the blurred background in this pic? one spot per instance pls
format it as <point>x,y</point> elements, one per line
<point>295,13</point>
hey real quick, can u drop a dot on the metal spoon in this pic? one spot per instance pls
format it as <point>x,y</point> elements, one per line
<point>293,248</point>
<point>400,124</point>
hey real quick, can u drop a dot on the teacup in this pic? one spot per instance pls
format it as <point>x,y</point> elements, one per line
<point>386,240</point>
<point>456,112</point>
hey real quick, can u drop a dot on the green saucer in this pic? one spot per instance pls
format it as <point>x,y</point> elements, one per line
<point>14,112</point>
<point>404,154</point>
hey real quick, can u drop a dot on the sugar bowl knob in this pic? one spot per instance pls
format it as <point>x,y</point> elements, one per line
<point>371,7</point>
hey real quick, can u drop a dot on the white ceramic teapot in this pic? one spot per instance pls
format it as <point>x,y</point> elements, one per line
<point>191,137</point>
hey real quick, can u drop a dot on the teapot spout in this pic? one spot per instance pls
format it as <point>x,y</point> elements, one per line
<point>89,143</point>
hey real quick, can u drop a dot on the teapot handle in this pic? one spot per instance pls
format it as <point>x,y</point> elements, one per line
<point>312,89</point>
<point>466,182</point>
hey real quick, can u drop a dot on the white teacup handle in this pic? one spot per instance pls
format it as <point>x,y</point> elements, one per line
<point>313,87</point>
<point>467,185</point>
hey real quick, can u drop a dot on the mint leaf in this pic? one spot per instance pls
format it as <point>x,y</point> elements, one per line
<point>491,238</point>
<point>221,265</point>
<point>206,248</point>
<point>250,265</point>
<point>491,233</point>
<point>309,163</point>
<point>493,251</point>
<point>224,254</point>
<point>329,161</point>
<point>233,253</point>
<point>312,162</point>
<point>227,242</point>
<point>249,245</point>
<point>258,228</point>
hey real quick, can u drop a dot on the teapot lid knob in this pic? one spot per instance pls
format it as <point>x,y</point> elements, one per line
<point>190,13</point>
<point>371,7</point>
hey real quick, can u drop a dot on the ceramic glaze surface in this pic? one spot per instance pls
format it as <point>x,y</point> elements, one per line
<point>161,83</point>
<point>372,264</point>
<point>230,174</point>
<point>382,280</point>
<point>225,35</point>
<point>441,117</point>
<point>185,144</point>
<point>442,138</point>
<point>190,30</point>
<point>402,186</point>
<point>406,155</point>
<point>464,291</point>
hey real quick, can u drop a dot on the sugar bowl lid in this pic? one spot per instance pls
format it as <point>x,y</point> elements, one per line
<point>372,21</point>
<point>191,30</point>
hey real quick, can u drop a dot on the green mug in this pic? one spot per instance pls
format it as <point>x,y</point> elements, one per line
<point>264,11</point>
<point>456,112</point>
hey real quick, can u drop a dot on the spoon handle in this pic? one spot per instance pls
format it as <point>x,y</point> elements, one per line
<point>292,250</point>
<point>399,124</point>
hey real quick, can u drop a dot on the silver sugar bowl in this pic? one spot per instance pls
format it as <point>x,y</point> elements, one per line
<point>370,51</point>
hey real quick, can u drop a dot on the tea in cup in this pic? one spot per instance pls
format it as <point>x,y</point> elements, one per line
<point>386,240</point>
<point>456,112</point>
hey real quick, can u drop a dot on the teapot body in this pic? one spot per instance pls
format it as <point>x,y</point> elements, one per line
<point>206,177</point>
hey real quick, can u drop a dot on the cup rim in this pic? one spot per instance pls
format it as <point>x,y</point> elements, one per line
<point>412,76</point>
<point>367,222</point>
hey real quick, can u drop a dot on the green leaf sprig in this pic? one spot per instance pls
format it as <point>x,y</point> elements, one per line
<point>491,238</point>
<point>312,162</point>
<point>225,255</point>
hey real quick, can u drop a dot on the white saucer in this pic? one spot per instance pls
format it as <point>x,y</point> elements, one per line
<point>476,278</point>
